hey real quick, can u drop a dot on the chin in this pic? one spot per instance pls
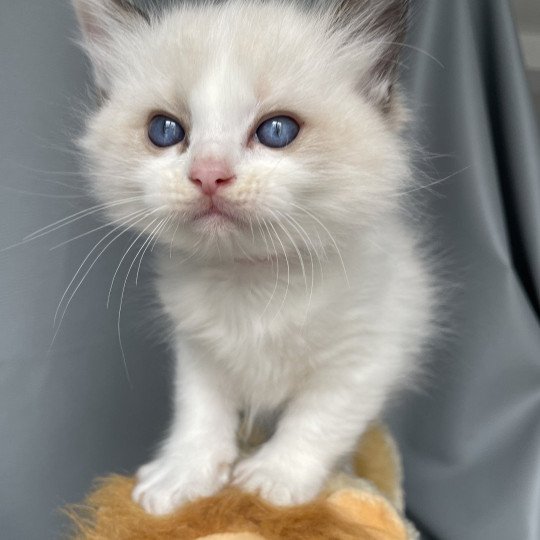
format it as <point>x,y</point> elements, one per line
<point>217,226</point>
<point>208,236</point>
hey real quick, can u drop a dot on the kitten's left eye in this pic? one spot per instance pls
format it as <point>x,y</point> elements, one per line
<point>164,131</point>
<point>278,132</point>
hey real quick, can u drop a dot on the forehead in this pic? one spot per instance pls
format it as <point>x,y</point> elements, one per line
<point>222,95</point>
<point>236,55</point>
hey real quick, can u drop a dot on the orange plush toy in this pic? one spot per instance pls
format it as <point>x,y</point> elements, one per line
<point>365,506</point>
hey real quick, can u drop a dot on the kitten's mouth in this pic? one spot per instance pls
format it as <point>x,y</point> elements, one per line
<point>215,213</point>
<point>210,213</point>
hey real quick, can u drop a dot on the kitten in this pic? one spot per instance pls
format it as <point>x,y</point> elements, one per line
<point>260,142</point>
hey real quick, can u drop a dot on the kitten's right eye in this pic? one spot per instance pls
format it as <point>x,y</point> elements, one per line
<point>164,131</point>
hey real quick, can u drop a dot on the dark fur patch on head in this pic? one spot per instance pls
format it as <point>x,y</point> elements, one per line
<point>129,7</point>
<point>379,21</point>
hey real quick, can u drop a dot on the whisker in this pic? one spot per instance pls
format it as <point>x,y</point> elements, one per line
<point>218,247</point>
<point>338,251</point>
<point>173,237</point>
<point>310,258</point>
<point>264,238</point>
<point>104,226</point>
<point>434,183</point>
<point>130,222</point>
<point>197,247</point>
<point>413,48</point>
<point>288,271</point>
<point>118,326</point>
<point>124,257</point>
<point>59,325</point>
<point>252,231</point>
<point>44,195</point>
<point>145,250</point>
<point>193,253</point>
<point>54,173</point>
<point>303,233</point>
<point>295,247</point>
<point>276,284</point>
<point>75,217</point>
<point>165,224</point>
<point>239,245</point>
<point>158,228</point>
<point>321,243</point>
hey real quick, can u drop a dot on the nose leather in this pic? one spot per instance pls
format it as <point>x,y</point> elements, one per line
<point>210,175</point>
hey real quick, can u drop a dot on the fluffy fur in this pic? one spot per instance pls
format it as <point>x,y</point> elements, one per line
<point>311,298</point>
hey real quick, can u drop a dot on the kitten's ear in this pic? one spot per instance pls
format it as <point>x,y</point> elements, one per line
<point>379,27</point>
<point>101,23</point>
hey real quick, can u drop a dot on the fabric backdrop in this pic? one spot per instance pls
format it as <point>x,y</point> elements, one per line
<point>68,410</point>
<point>471,441</point>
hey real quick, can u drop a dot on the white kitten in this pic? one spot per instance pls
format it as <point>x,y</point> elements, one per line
<point>260,140</point>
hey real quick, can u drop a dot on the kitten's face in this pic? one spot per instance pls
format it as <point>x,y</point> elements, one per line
<point>220,72</point>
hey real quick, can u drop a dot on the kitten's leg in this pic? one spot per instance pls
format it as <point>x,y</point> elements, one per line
<point>196,458</point>
<point>320,426</point>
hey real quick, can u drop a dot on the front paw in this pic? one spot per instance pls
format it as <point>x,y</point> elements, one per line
<point>168,482</point>
<point>279,479</point>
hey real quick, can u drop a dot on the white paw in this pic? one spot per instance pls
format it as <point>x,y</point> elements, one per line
<point>278,479</point>
<point>170,481</point>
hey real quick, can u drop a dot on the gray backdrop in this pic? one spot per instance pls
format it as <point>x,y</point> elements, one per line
<point>69,413</point>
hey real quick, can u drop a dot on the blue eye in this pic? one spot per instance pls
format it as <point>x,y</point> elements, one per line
<point>164,131</point>
<point>278,132</point>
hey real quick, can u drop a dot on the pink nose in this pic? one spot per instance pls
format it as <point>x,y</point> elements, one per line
<point>210,175</point>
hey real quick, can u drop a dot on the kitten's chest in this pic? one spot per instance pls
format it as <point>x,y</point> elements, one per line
<point>255,334</point>
<point>240,313</point>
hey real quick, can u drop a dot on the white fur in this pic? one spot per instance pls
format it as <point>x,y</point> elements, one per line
<point>318,301</point>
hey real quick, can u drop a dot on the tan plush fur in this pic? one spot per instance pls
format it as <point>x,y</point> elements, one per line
<point>354,511</point>
<point>372,461</point>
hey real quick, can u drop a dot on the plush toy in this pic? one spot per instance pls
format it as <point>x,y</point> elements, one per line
<point>366,505</point>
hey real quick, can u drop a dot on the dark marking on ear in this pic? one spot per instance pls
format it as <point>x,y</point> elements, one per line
<point>129,7</point>
<point>392,21</point>
<point>378,21</point>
